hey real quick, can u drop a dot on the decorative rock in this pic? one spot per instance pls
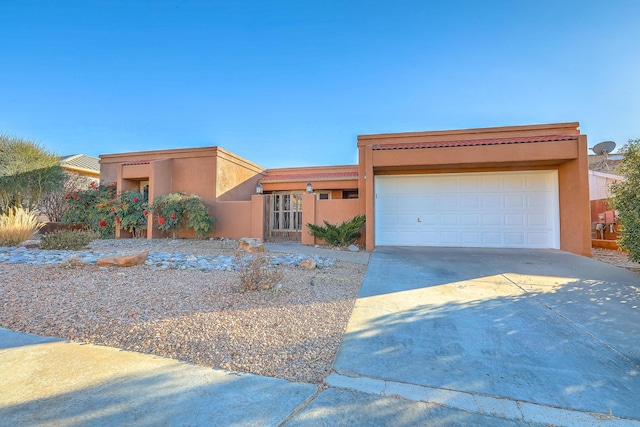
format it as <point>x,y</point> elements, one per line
<point>308,264</point>
<point>251,244</point>
<point>155,260</point>
<point>30,244</point>
<point>123,261</point>
<point>353,248</point>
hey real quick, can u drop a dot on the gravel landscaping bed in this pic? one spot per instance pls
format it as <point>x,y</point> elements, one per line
<point>617,258</point>
<point>291,332</point>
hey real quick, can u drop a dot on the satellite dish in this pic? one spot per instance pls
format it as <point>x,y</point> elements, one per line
<point>604,148</point>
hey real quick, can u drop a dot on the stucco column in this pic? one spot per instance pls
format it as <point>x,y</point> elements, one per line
<point>369,193</point>
<point>308,217</point>
<point>257,216</point>
<point>575,210</point>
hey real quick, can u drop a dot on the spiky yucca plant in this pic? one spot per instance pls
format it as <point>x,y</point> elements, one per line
<point>18,225</point>
<point>338,235</point>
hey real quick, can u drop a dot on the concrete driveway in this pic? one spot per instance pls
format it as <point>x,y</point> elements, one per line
<point>520,332</point>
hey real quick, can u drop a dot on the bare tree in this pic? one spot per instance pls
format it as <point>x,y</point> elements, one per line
<point>54,204</point>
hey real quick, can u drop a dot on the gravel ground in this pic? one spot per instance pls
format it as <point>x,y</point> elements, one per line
<point>292,332</point>
<point>617,258</point>
<point>201,317</point>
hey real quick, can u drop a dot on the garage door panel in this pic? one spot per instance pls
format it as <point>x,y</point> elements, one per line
<point>514,220</point>
<point>492,219</point>
<point>468,201</point>
<point>448,202</point>
<point>491,184</point>
<point>387,220</point>
<point>505,209</point>
<point>491,201</point>
<point>537,220</point>
<point>514,185</point>
<point>470,238</point>
<point>514,201</point>
<point>539,185</point>
<point>470,219</point>
<point>514,238</point>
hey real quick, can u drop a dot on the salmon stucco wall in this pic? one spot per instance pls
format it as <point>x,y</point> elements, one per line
<point>233,219</point>
<point>557,146</point>
<point>236,178</point>
<point>333,211</point>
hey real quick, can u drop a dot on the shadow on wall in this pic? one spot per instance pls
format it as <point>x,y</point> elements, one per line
<point>242,191</point>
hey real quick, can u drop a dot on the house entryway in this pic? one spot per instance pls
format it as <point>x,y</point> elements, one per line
<point>283,217</point>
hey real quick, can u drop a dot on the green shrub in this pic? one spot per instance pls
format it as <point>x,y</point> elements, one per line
<point>131,212</point>
<point>68,239</point>
<point>256,271</point>
<point>626,199</point>
<point>95,208</point>
<point>18,225</point>
<point>177,210</point>
<point>339,235</point>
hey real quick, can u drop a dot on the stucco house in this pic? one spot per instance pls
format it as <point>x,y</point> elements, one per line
<point>518,186</point>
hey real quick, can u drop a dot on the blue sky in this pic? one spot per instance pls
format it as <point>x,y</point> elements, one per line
<point>292,83</point>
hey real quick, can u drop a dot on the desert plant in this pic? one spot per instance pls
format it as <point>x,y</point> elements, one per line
<point>27,171</point>
<point>68,239</point>
<point>257,272</point>
<point>338,235</point>
<point>18,225</point>
<point>626,199</point>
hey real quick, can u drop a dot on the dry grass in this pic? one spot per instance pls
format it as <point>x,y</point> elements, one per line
<point>17,226</point>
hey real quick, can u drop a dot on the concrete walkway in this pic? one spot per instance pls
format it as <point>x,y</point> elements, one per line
<point>438,337</point>
<point>48,381</point>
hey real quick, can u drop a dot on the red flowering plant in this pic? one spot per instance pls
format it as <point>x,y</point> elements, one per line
<point>179,210</point>
<point>129,210</point>
<point>92,207</point>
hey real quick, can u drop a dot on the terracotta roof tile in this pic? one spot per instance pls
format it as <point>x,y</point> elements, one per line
<point>474,142</point>
<point>312,177</point>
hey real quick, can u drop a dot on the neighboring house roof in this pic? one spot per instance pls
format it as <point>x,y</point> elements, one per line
<point>81,163</point>
<point>474,142</point>
<point>332,176</point>
<point>600,163</point>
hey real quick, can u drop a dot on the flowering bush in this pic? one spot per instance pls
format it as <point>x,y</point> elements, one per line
<point>177,210</point>
<point>131,210</point>
<point>95,208</point>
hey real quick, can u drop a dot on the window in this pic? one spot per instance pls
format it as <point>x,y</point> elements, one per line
<point>350,194</point>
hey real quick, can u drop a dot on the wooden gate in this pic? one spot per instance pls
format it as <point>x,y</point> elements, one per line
<point>283,217</point>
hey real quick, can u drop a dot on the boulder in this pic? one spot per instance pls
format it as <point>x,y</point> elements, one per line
<point>251,244</point>
<point>308,264</point>
<point>123,261</point>
<point>30,244</point>
<point>353,248</point>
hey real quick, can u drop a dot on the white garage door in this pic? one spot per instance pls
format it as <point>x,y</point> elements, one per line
<point>502,209</point>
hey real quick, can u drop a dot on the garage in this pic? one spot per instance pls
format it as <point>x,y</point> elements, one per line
<point>493,209</point>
